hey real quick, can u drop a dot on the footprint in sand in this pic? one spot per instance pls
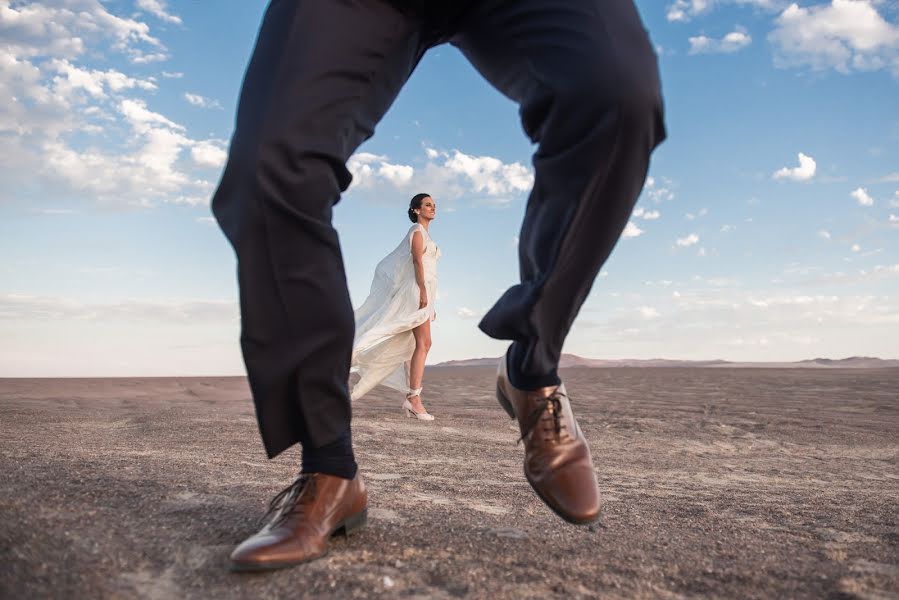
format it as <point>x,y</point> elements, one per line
<point>385,514</point>
<point>383,476</point>
<point>508,532</point>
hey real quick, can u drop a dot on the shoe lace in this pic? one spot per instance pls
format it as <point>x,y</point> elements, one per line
<point>286,502</point>
<point>551,404</point>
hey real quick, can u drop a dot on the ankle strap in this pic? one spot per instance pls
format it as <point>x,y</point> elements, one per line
<point>412,392</point>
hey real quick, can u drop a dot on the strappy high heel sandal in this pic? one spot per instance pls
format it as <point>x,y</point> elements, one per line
<point>410,411</point>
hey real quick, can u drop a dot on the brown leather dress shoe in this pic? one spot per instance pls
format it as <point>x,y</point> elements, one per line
<point>557,461</point>
<point>304,516</point>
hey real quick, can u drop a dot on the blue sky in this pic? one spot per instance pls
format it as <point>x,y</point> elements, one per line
<point>768,230</point>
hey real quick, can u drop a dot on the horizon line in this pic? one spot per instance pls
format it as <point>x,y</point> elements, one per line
<point>444,364</point>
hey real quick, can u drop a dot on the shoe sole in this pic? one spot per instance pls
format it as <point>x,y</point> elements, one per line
<point>349,525</point>
<point>412,415</point>
<point>507,406</point>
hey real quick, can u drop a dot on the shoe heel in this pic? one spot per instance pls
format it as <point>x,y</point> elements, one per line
<point>353,523</point>
<point>504,402</point>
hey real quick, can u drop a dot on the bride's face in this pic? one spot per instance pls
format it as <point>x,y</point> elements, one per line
<point>428,208</point>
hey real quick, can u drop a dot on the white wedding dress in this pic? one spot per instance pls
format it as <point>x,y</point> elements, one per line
<point>384,343</point>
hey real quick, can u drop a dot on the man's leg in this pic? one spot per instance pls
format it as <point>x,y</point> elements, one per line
<point>321,76</point>
<point>585,76</point>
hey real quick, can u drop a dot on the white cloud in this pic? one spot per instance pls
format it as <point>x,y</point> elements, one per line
<point>454,173</point>
<point>894,218</point>
<point>731,42</point>
<point>735,323</point>
<point>196,99</point>
<point>201,197</point>
<point>370,169</point>
<point>32,30</point>
<point>845,35</point>
<point>75,129</point>
<point>686,10</point>
<point>878,272</point>
<point>128,336</point>
<point>142,58</point>
<point>490,175</point>
<point>37,103</point>
<point>367,158</point>
<point>689,240</point>
<point>201,101</point>
<point>50,308</point>
<point>157,8</point>
<point>720,282</point>
<point>804,172</point>
<point>399,175</point>
<point>824,234</point>
<point>57,211</point>
<point>172,74</point>
<point>861,196</point>
<point>208,154</point>
<point>66,27</point>
<point>466,313</point>
<point>146,171</point>
<point>27,105</point>
<point>93,82</point>
<point>648,215</point>
<point>658,193</point>
<point>631,230</point>
<point>648,312</point>
<point>361,170</point>
<point>727,228</point>
<point>856,248</point>
<point>144,120</point>
<point>883,271</point>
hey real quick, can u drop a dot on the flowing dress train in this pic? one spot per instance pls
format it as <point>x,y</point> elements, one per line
<point>384,343</point>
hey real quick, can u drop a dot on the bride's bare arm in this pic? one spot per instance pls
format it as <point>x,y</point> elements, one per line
<point>418,251</point>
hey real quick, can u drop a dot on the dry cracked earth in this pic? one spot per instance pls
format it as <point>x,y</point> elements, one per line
<point>739,483</point>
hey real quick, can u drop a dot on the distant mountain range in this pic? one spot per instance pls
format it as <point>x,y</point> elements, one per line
<point>572,360</point>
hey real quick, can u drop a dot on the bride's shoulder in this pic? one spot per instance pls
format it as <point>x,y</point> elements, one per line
<point>411,233</point>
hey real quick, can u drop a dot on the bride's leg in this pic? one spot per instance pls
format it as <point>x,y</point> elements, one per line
<point>422,335</point>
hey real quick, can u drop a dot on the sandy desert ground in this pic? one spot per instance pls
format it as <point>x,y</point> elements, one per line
<point>717,483</point>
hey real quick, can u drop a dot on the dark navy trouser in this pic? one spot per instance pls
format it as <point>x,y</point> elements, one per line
<point>322,75</point>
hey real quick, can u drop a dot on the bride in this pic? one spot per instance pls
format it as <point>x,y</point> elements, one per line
<point>393,325</point>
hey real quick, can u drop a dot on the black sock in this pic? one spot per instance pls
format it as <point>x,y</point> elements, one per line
<point>527,381</point>
<point>335,458</point>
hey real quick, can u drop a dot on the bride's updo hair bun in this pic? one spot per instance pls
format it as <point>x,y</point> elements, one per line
<point>416,201</point>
